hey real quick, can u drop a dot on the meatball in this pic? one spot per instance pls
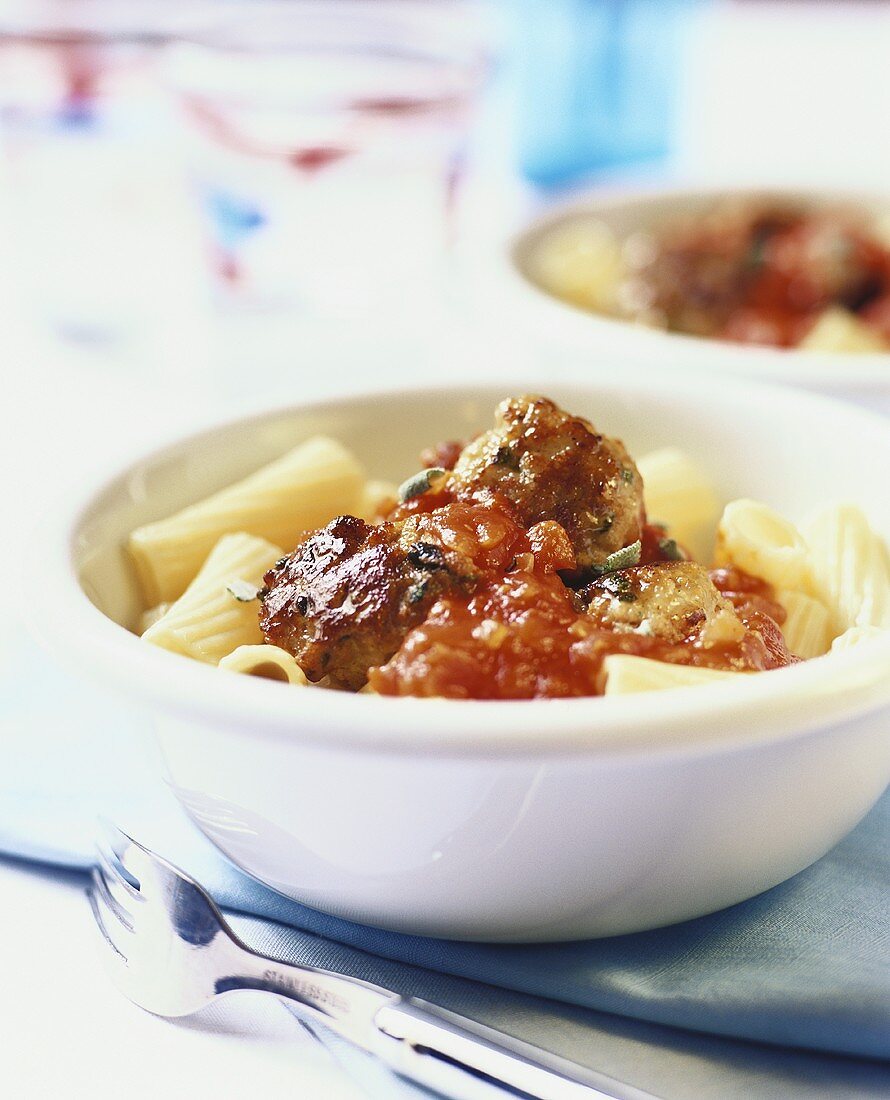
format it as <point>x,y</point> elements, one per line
<point>697,271</point>
<point>552,466</point>
<point>345,598</point>
<point>673,601</point>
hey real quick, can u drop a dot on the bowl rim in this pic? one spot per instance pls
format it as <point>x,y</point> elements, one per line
<point>867,369</point>
<point>717,717</point>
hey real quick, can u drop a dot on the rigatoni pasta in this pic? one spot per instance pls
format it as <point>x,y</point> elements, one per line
<point>753,537</point>
<point>680,495</point>
<point>807,627</point>
<point>855,636</point>
<point>580,262</point>
<point>378,499</point>
<point>839,331</point>
<point>268,662</point>
<point>850,568</point>
<point>298,492</point>
<point>627,675</point>
<point>152,615</point>
<point>217,613</point>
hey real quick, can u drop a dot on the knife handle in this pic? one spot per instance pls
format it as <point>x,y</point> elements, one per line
<point>457,1056</point>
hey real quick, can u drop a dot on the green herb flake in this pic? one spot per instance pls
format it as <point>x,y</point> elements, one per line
<point>756,254</point>
<point>417,591</point>
<point>621,559</point>
<point>504,456</point>
<point>420,483</point>
<point>669,550</point>
<point>621,586</point>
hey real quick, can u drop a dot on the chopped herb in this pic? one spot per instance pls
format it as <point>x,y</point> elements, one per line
<point>627,474</point>
<point>504,456</point>
<point>621,559</point>
<point>417,591</point>
<point>419,483</point>
<point>620,587</point>
<point>669,550</point>
<point>243,591</point>
<point>756,253</point>
<point>302,604</point>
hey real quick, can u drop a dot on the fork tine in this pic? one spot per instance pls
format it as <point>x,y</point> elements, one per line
<point>106,892</point>
<point>132,860</point>
<point>114,872</point>
<point>104,925</point>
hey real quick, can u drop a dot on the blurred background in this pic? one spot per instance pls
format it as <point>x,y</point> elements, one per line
<point>177,172</point>
<point>213,204</point>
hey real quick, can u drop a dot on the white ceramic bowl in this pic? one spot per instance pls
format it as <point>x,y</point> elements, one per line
<point>515,297</point>
<point>502,821</point>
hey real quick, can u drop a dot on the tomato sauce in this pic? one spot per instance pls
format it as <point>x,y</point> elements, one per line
<point>763,276</point>
<point>525,636</point>
<point>524,632</point>
<point>487,536</point>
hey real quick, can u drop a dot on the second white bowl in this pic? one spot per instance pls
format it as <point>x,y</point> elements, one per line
<point>510,290</point>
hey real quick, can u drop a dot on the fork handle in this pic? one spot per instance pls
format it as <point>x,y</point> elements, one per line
<point>450,1053</point>
<point>430,1045</point>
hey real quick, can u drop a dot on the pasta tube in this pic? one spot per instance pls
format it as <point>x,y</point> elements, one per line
<point>150,617</point>
<point>299,491</point>
<point>759,541</point>
<point>378,498</point>
<point>218,612</point>
<point>581,263</point>
<point>807,628</point>
<point>850,566</point>
<point>856,635</point>
<point>839,330</point>
<point>269,662</point>
<point>627,675</point>
<point>680,495</point>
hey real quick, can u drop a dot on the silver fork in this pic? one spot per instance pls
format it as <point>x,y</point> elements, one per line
<point>171,952</point>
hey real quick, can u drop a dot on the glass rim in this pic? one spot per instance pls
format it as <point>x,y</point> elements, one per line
<point>90,22</point>
<point>401,28</point>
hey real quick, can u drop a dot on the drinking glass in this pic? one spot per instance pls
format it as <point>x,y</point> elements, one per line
<point>325,145</point>
<point>89,181</point>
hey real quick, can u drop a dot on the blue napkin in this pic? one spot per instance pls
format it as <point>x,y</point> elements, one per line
<point>806,964</point>
<point>802,967</point>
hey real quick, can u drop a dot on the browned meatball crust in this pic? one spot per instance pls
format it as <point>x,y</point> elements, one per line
<point>345,598</point>
<point>674,601</point>
<point>553,466</point>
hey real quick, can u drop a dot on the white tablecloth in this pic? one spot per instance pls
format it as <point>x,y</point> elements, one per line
<point>68,1033</point>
